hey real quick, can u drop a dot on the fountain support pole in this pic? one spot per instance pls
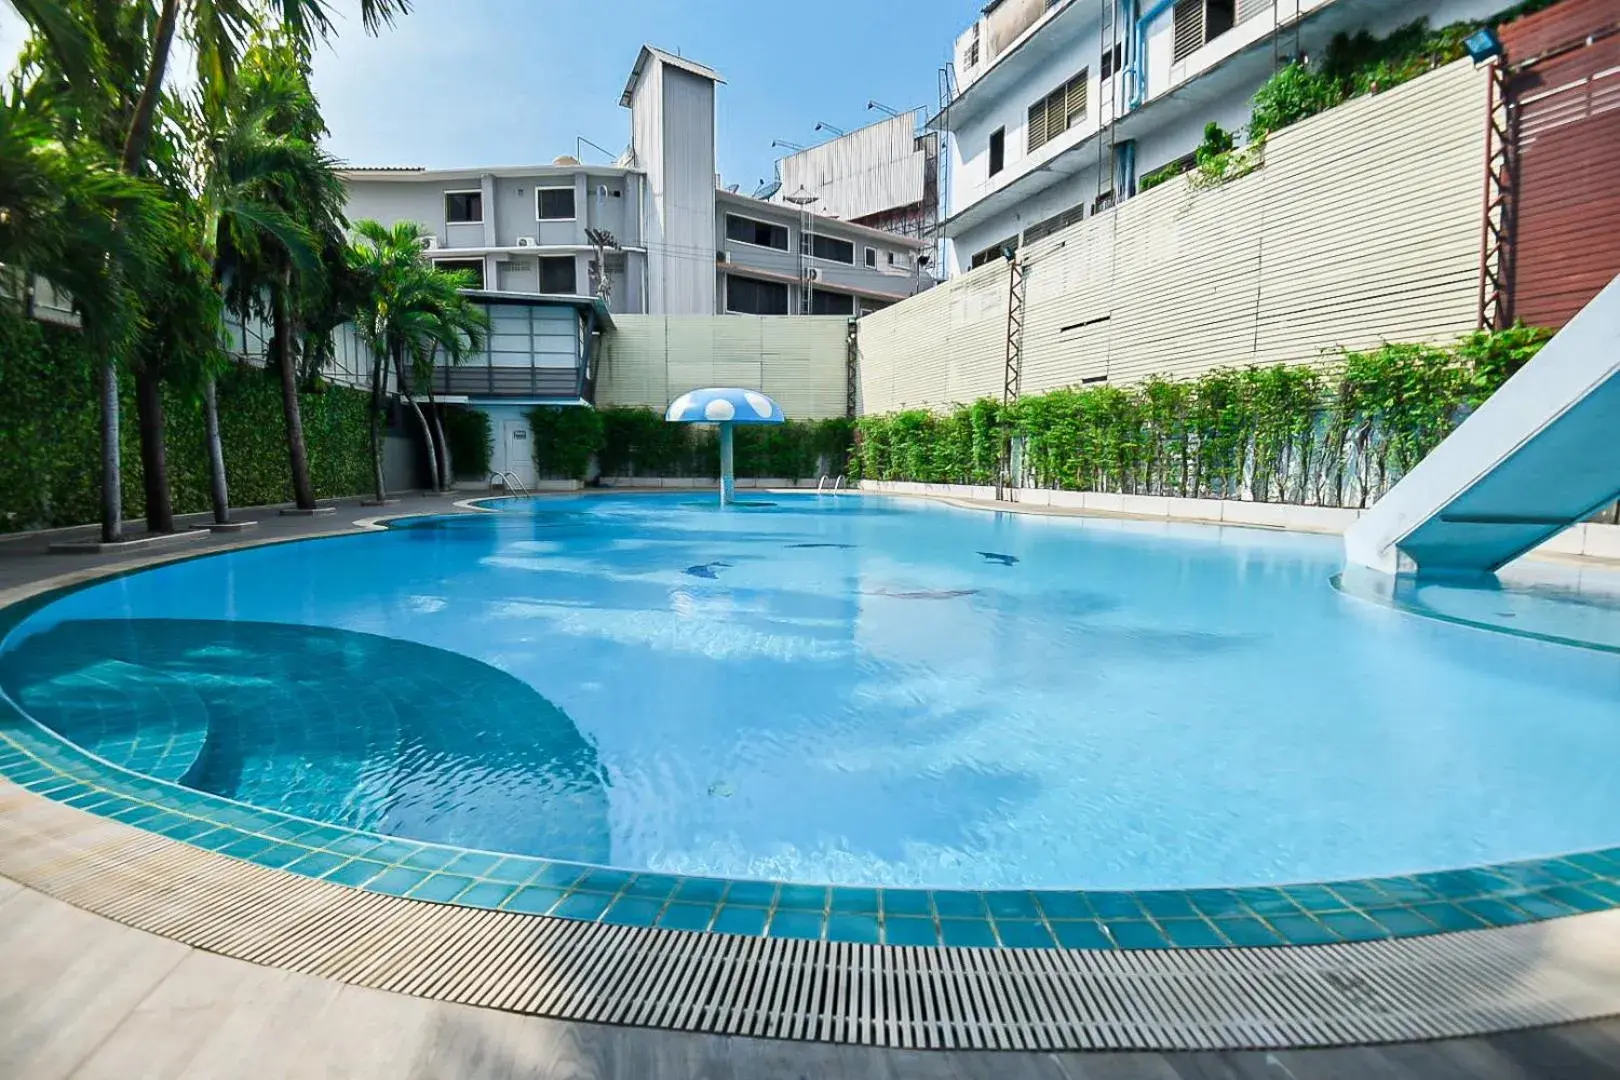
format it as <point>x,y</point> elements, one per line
<point>728,479</point>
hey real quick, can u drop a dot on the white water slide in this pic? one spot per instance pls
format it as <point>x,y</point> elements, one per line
<point>1541,455</point>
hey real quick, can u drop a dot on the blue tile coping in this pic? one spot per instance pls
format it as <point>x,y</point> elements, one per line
<point>1309,914</point>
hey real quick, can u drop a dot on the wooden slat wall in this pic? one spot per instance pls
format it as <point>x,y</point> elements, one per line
<point>648,360</point>
<point>1362,226</point>
<point>1566,242</point>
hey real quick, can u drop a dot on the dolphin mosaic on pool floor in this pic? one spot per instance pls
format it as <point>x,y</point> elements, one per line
<point>1312,914</point>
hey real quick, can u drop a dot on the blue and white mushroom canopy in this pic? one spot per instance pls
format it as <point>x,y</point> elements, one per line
<point>724,405</point>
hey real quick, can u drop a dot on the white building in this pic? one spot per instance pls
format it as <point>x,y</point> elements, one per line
<point>1061,105</point>
<point>684,245</point>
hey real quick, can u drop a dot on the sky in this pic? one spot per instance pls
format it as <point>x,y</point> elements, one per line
<point>509,82</point>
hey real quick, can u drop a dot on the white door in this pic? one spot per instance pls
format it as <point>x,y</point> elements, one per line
<point>517,452</point>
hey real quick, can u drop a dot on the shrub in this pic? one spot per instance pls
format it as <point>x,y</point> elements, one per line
<point>566,437</point>
<point>468,435</point>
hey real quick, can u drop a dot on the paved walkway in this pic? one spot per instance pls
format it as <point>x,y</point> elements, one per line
<point>84,997</point>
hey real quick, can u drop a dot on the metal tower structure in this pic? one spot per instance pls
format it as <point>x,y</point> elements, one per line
<point>936,210</point>
<point>1496,246</point>
<point>803,200</point>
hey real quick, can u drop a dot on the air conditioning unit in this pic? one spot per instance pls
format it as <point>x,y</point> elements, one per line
<point>430,243</point>
<point>722,257</point>
<point>527,241</point>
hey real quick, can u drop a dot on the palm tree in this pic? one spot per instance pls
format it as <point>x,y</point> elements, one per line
<point>115,55</point>
<point>279,204</point>
<point>456,326</point>
<point>408,309</point>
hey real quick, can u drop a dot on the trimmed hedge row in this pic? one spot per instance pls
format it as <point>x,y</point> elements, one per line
<point>629,442</point>
<point>50,471</point>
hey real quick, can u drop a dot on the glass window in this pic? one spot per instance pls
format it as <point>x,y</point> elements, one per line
<point>832,249</point>
<point>554,203</point>
<point>475,267</point>
<point>998,150</point>
<point>463,207</point>
<point>557,276</point>
<point>829,303</point>
<point>759,233</point>
<point>871,257</point>
<point>747,296</point>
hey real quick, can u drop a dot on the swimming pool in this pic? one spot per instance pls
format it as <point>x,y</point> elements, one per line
<point>848,691</point>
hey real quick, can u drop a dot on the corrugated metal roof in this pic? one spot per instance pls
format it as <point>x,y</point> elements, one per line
<point>834,225</point>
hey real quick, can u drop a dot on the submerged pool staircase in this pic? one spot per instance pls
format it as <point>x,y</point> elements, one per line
<point>1542,454</point>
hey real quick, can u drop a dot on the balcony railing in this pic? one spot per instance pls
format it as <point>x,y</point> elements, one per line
<point>487,380</point>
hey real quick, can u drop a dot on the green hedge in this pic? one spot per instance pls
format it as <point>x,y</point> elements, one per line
<point>629,442</point>
<point>471,440</point>
<point>50,470</point>
<point>1285,433</point>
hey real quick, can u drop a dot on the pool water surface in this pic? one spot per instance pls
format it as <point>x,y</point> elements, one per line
<point>844,690</point>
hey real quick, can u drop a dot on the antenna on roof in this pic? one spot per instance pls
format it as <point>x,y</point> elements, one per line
<point>878,105</point>
<point>786,145</point>
<point>580,142</point>
<point>822,125</point>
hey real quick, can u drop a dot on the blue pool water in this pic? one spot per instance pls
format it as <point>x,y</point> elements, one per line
<point>852,691</point>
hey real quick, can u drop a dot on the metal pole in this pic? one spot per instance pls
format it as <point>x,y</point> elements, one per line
<point>728,480</point>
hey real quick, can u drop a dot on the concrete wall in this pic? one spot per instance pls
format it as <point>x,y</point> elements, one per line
<point>1362,226</point>
<point>801,361</point>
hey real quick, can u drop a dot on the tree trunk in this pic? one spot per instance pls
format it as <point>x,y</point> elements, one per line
<point>438,441</point>
<point>281,352</point>
<point>140,125</point>
<point>217,490</point>
<point>427,432</point>
<point>112,480</point>
<point>154,462</point>
<point>378,368</point>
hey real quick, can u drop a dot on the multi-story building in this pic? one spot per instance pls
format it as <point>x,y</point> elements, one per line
<point>1060,105</point>
<point>681,244</point>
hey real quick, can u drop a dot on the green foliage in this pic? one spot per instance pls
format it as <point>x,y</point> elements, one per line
<point>1150,180</point>
<point>566,437</point>
<point>1353,65</point>
<point>471,441</point>
<point>49,446</point>
<point>1285,433</point>
<point>639,442</point>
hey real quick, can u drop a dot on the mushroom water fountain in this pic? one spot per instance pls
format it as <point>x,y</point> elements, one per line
<point>726,407</point>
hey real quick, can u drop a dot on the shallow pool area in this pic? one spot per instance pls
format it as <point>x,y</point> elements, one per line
<point>847,691</point>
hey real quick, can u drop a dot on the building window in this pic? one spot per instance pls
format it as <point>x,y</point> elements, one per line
<point>973,48</point>
<point>1197,22</point>
<point>831,303</point>
<point>554,203</point>
<point>871,258</point>
<point>475,267</point>
<point>1058,111</point>
<point>832,249</point>
<point>748,296</point>
<point>557,276</point>
<point>994,251</point>
<point>759,233</point>
<point>998,150</point>
<point>1113,60</point>
<point>463,207</point>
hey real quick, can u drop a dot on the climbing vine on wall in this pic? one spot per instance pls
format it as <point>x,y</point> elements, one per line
<point>49,423</point>
<point>1335,436</point>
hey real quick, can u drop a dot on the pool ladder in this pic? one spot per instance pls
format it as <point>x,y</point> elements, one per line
<point>837,484</point>
<point>509,480</point>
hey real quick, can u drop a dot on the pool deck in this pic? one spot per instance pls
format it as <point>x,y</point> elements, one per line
<point>87,996</point>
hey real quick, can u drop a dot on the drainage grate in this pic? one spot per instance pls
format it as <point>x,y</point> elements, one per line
<point>920,997</point>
